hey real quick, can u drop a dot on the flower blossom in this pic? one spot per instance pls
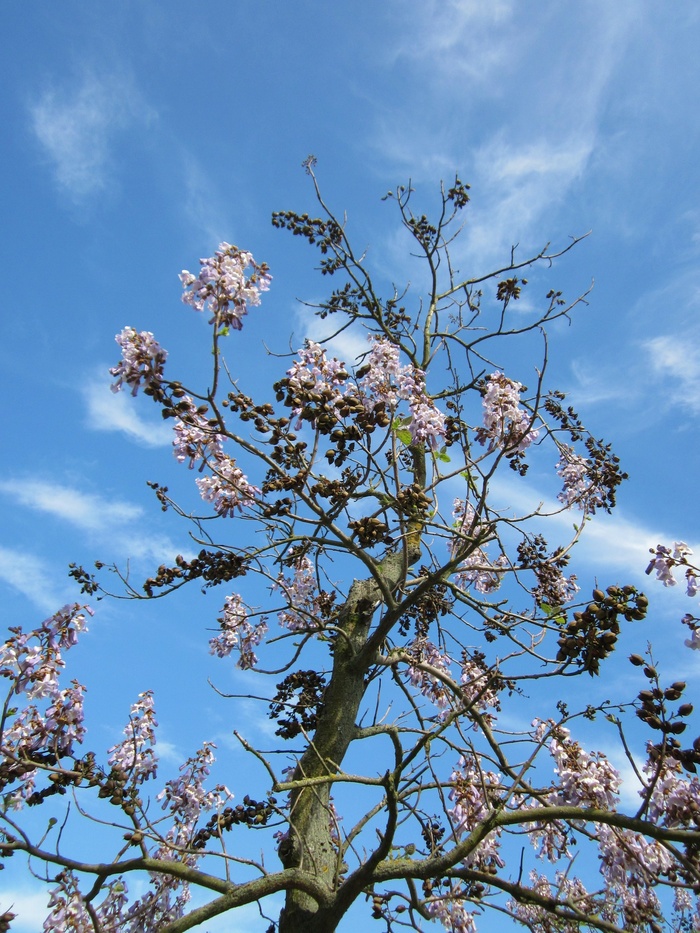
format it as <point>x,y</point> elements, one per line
<point>195,437</point>
<point>425,652</point>
<point>303,612</point>
<point>567,889</point>
<point>585,779</point>
<point>227,488</point>
<point>135,754</point>
<point>142,361</point>
<point>452,913</point>
<point>388,382</point>
<point>506,424</point>
<point>664,560</point>
<point>631,864</point>
<point>68,911</point>
<point>223,288</point>
<point>314,372</point>
<point>187,798</point>
<point>579,489</point>
<point>237,632</point>
<point>694,640</point>
<point>476,690</point>
<point>477,569</point>
<point>674,799</point>
<point>52,721</point>
<point>474,791</point>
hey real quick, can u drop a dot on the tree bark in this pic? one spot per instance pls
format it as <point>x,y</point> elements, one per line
<point>309,844</point>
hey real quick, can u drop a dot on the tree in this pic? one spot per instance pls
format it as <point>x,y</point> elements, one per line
<point>365,503</point>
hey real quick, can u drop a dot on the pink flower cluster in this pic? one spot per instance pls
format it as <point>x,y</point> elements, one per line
<point>314,371</point>
<point>476,691</point>
<point>186,797</point>
<point>142,361</point>
<point>237,632</point>
<point>227,488</point>
<point>52,722</point>
<point>135,754</point>
<point>449,909</point>
<point>389,382</point>
<point>385,382</point>
<point>473,793</point>
<point>579,489</point>
<point>586,780</point>
<point>477,569</point>
<point>664,561</point>
<point>675,801</point>
<point>46,732</point>
<point>303,612</point>
<point>223,287</point>
<point>570,890</point>
<point>506,424</point>
<point>630,864</point>
<point>197,439</point>
<point>430,685</point>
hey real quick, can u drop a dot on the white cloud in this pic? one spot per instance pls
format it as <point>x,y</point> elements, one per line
<point>676,359</point>
<point>114,411</point>
<point>75,126</point>
<point>30,907</point>
<point>202,203</point>
<point>617,543</point>
<point>517,185</point>
<point>348,345</point>
<point>461,33</point>
<point>85,510</point>
<point>104,519</point>
<point>28,575</point>
<point>602,382</point>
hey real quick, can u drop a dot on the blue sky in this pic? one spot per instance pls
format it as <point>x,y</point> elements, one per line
<point>139,135</point>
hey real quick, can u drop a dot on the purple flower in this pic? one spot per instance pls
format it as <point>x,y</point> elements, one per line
<point>142,361</point>
<point>223,288</point>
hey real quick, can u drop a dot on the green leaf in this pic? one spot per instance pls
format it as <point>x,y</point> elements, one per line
<point>553,613</point>
<point>442,456</point>
<point>404,436</point>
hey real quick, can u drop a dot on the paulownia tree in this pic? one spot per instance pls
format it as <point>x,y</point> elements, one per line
<point>422,637</point>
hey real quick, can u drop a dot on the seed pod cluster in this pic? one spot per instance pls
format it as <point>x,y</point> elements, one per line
<point>115,787</point>
<point>592,634</point>
<point>653,709</point>
<point>213,567</point>
<point>299,697</point>
<point>370,531</point>
<point>250,813</point>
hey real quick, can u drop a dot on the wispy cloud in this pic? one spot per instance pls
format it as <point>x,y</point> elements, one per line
<point>27,574</point>
<point>461,31</point>
<point>597,381</point>
<point>347,346</point>
<point>28,904</point>
<point>484,76</point>
<point>516,186</point>
<point>675,360</point>
<point>202,202</point>
<point>84,510</point>
<point>618,543</point>
<point>114,411</point>
<point>76,125</point>
<point>105,520</point>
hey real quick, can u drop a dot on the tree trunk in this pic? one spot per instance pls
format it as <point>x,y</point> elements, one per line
<point>309,844</point>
